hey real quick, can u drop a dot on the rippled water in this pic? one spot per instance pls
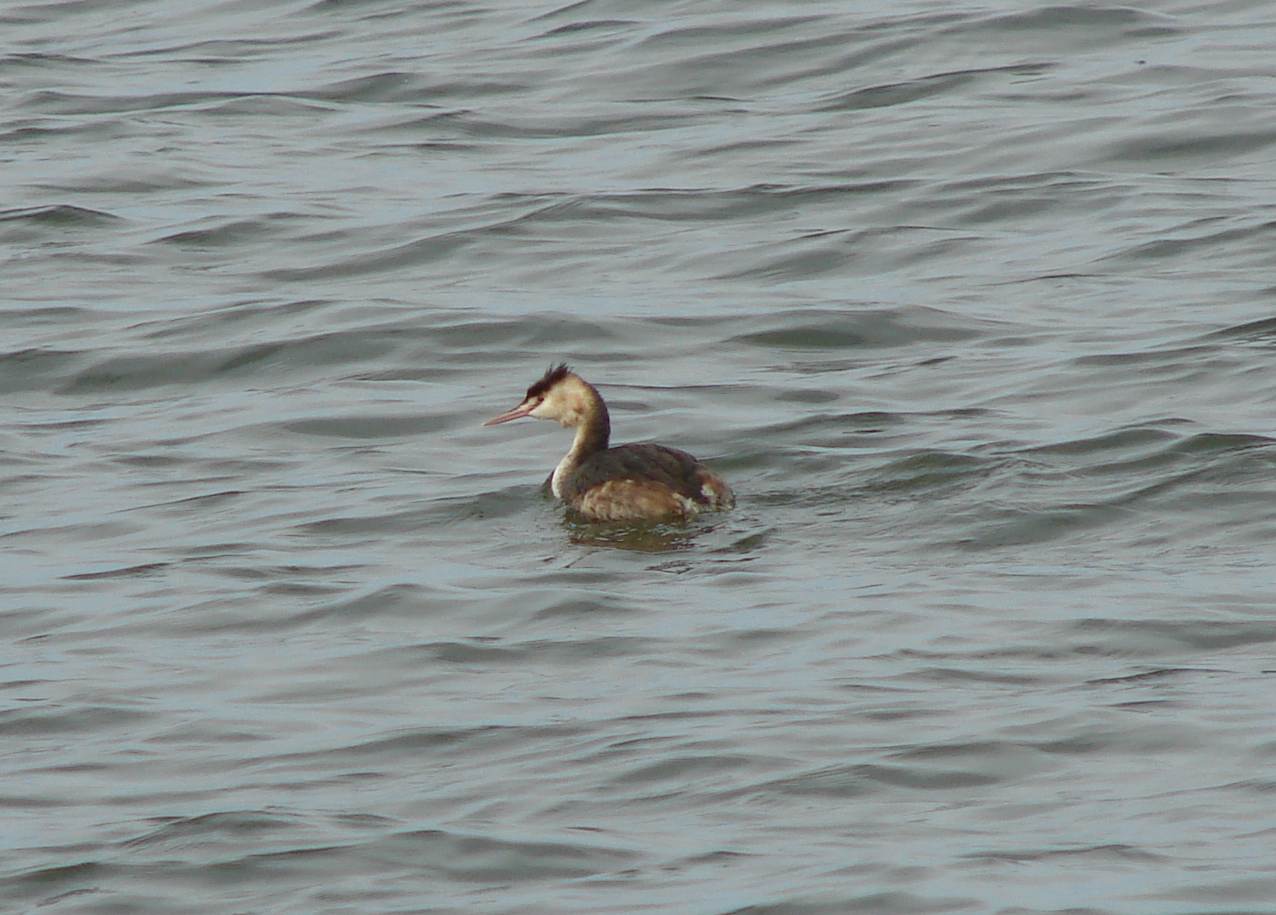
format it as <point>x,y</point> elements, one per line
<point>972,303</point>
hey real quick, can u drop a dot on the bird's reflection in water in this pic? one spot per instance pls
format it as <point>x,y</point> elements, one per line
<point>638,537</point>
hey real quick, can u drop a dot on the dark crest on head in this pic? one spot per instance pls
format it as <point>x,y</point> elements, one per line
<point>553,376</point>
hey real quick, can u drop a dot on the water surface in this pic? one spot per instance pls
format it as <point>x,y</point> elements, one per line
<point>971,302</point>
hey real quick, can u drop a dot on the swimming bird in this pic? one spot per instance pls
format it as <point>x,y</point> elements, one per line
<point>637,482</point>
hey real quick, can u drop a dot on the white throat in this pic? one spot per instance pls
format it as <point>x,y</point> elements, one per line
<point>567,464</point>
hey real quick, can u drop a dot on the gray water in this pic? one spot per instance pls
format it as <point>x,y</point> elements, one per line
<point>973,304</point>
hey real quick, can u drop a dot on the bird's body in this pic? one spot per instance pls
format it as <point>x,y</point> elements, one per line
<point>638,482</point>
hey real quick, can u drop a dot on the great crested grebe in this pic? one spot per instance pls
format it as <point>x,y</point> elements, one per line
<point>640,482</point>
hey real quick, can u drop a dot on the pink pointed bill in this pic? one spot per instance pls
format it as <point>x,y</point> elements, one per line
<point>523,409</point>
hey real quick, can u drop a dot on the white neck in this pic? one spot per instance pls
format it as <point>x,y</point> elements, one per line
<point>568,463</point>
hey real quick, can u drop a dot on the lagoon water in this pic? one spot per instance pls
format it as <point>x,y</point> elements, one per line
<point>973,303</point>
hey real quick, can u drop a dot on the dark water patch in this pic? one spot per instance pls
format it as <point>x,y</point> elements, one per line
<point>43,879</point>
<point>140,371</point>
<point>176,834</point>
<point>1150,735</point>
<point>808,396</point>
<point>844,252</point>
<point>1098,854</point>
<point>1257,237</point>
<point>750,542</point>
<point>297,598</point>
<point>60,216</point>
<point>160,461</point>
<point>813,329</point>
<point>412,255</point>
<point>54,316</point>
<point>401,600</point>
<point>465,744</point>
<point>18,61</point>
<point>868,429</point>
<point>925,471</point>
<point>21,684</point>
<point>1262,331</point>
<point>31,369</point>
<point>1157,677</point>
<point>954,675</point>
<point>77,531</point>
<point>1258,890</point>
<point>894,93</point>
<point>397,520</point>
<point>922,87</point>
<point>237,110</point>
<point>241,231</point>
<point>439,855</point>
<point>469,125</point>
<point>388,86</point>
<point>1174,143</point>
<point>997,528</point>
<point>217,51</point>
<point>481,504</point>
<point>369,426</point>
<point>1074,27</point>
<point>1119,440</point>
<point>1155,363</point>
<point>1217,444</point>
<point>582,609</point>
<point>867,779</point>
<point>295,576</point>
<point>1261,787</point>
<point>1137,479</point>
<point>125,181</point>
<point>45,721</point>
<point>248,314</point>
<point>1035,656</point>
<point>1008,199</point>
<point>219,549</point>
<point>421,131</point>
<point>144,569</point>
<point>467,857</point>
<point>202,502</point>
<point>535,334</point>
<point>683,205</point>
<point>592,25</point>
<point>541,651</point>
<point>694,37</point>
<point>902,903</point>
<point>65,103</point>
<point>1127,637</point>
<point>688,772</point>
<point>1144,450</point>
